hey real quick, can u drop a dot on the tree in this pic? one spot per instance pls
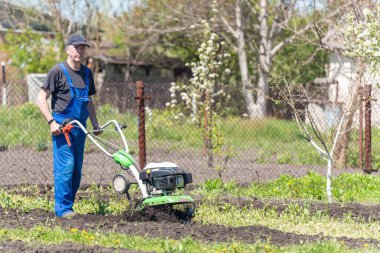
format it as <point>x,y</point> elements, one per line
<point>29,52</point>
<point>293,94</point>
<point>359,32</point>
<point>270,21</point>
<point>37,51</point>
<point>203,98</point>
<point>73,16</point>
<point>156,32</point>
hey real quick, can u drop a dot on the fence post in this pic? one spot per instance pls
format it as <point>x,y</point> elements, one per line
<point>141,116</point>
<point>360,131</point>
<point>367,134</point>
<point>4,90</point>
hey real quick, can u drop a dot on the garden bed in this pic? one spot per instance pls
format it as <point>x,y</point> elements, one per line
<point>166,226</point>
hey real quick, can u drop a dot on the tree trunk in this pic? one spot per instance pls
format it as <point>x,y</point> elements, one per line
<point>262,94</point>
<point>328,180</point>
<point>342,145</point>
<point>243,65</point>
<point>264,60</point>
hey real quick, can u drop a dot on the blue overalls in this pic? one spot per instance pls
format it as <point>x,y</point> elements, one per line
<point>68,160</point>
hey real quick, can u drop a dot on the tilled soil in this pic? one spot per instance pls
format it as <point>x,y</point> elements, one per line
<point>20,246</point>
<point>177,225</point>
<point>334,210</point>
<point>166,226</point>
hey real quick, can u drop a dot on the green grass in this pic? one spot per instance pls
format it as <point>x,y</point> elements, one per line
<point>273,140</point>
<point>103,200</point>
<point>56,236</point>
<point>25,204</point>
<point>96,200</point>
<point>294,219</point>
<point>24,126</point>
<point>345,188</point>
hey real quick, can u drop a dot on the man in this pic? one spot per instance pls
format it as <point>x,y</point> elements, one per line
<point>71,85</point>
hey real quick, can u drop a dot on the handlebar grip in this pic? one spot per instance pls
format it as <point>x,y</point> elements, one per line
<point>121,126</point>
<point>64,123</point>
<point>66,130</point>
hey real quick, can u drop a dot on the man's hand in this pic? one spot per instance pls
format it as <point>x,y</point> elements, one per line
<point>96,130</point>
<point>54,128</point>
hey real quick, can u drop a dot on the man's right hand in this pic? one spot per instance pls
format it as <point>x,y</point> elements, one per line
<point>54,128</point>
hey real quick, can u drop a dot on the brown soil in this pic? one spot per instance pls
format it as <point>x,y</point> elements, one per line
<point>369,212</point>
<point>25,166</point>
<point>20,246</point>
<point>164,226</point>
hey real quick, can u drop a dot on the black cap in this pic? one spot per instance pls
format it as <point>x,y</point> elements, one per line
<point>76,39</point>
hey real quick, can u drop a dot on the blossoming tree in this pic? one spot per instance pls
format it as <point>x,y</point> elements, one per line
<point>204,97</point>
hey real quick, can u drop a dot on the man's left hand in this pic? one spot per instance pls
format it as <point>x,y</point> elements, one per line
<point>97,130</point>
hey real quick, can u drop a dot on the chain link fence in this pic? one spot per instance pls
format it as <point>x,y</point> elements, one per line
<point>244,150</point>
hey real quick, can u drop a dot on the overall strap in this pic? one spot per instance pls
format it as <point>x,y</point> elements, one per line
<point>87,70</point>
<point>66,74</point>
<point>72,88</point>
<point>87,77</point>
<point>73,91</point>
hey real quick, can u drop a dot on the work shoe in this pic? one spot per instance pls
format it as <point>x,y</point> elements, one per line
<point>69,214</point>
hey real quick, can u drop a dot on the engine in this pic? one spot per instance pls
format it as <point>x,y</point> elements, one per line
<point>165,177</point>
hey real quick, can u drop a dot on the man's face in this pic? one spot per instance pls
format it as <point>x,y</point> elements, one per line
<point>76,52</point>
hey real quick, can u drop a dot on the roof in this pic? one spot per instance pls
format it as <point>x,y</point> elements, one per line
<point>103,54</point>
<point>16,17</point>
<point>163,62</point>
<point>333,41</point>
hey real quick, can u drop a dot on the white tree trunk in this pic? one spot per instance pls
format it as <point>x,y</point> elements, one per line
<point>243,65</point>
<point>264,60</point>
<point>257,108</point>
<point>262,94</point>
<point>328,179</point>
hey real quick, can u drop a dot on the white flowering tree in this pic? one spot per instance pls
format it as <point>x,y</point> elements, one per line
<point>203,98</point>
<point>362,38</point>
<point>360,33</point>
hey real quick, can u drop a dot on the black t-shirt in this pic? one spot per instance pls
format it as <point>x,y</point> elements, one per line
<point>57,83</point>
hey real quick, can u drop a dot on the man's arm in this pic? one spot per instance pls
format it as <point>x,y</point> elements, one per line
<point>42,103</point>
<point>92,116</point>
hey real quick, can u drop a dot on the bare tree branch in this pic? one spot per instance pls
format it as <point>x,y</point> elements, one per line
<point>306,28</point>
<point>134,30</point>
<point>286,41</point>
<point>229,27</point>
